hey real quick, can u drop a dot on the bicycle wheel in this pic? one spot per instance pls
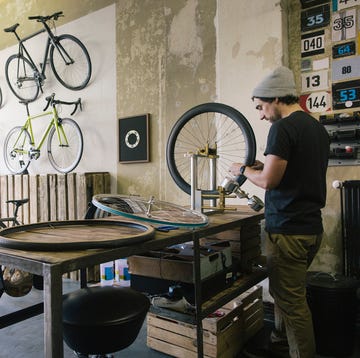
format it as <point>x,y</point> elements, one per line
<point>152,210</point>
<point>1,98</point>
<point>16,150</point>
<point>70,62</point>
<point>22,78</point>
<point>65,146</point>
<point>212,130</point>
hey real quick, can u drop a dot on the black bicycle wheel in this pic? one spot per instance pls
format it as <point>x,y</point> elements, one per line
<point>22,78</point>
<point>70,62</point>
<point>212,130</point>
<point>1,98</point>
<point>16,150</point>
<point>65,146</point>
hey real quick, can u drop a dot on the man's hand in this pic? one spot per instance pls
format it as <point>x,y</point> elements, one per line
<point>235,169</point>
<point>265,175</point>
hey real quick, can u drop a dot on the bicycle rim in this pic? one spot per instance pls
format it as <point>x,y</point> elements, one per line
<point>16,150</point>
<point>152,210</point>
<point>21,78</point>
<point>214,130</point>
<point>70,62</point>
<point>65,146</point>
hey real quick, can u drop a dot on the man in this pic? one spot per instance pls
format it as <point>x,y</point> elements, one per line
<point>294,177</point>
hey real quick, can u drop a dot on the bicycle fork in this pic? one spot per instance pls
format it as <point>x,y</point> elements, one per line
<point>63,141</point>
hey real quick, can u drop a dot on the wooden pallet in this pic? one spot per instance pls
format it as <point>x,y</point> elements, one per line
<point>51,196</point>
<point>224,334</point>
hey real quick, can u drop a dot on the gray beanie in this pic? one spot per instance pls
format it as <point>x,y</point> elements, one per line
<point>279,83</point>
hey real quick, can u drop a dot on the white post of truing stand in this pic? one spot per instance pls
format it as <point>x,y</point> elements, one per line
<point>193,180</point>
<point>213,179</point>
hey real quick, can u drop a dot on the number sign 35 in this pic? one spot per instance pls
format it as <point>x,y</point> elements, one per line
<point>314,18</point>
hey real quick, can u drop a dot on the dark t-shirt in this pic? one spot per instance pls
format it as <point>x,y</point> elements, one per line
<point>293,207</point>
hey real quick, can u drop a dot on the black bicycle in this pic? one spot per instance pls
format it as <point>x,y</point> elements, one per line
<point>68,57</point>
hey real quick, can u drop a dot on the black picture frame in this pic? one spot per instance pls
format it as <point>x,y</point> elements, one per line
<point>134,139</point>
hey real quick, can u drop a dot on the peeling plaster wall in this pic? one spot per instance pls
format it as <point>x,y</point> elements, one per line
<point>250,43</point>
<point>166,65</point>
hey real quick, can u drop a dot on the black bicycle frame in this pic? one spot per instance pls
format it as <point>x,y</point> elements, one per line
<point>50,40</point>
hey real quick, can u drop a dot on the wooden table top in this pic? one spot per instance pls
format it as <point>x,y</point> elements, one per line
<point>75,259</point>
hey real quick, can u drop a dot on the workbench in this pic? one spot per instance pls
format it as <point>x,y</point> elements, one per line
<point>53,264</point>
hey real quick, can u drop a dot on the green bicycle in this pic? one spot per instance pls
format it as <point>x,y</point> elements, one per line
<point>64,144</point>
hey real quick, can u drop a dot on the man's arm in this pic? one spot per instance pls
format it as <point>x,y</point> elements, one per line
<point>267,176</point>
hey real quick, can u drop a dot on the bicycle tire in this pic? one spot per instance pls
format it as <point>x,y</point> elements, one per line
<point>95,213</point>
<point>16,150</point>
<point>219,126</point>
<point>77,75</point>
<point>1,97</point>
<point>65,147</point>
<point>154,211</point>
<point>22,78</point>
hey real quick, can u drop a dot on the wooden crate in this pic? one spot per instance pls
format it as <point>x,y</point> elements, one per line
<point>245,245</point>
<point>224,334</point>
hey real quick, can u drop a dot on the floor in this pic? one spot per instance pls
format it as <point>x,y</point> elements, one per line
<point>25,339</point>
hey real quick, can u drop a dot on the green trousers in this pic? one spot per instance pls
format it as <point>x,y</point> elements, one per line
<point>289,257</point>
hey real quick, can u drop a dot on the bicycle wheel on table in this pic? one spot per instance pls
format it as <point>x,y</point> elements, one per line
<point>22,78</point>
<point>65,146</point>
<point>70,62</point>
<point>214,130</point>
<point>151,210</point>
<point>16,150</point>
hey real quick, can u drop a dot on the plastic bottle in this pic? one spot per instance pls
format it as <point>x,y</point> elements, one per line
<point>122,275</point>
<point>107,273</point>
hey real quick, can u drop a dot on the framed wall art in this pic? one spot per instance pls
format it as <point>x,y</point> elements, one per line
<point>134,139</point>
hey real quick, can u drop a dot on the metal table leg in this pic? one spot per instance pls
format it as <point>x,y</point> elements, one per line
<point>53,333</point>
<point>198,295</point>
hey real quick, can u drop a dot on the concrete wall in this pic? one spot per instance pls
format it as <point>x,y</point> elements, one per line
<point>166,64</point>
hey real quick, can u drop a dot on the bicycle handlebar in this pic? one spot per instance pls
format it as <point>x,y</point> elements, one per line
<point>52,101</point>
<point>40,18</point>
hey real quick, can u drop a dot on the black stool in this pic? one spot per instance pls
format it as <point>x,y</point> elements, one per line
<point>102,320</point>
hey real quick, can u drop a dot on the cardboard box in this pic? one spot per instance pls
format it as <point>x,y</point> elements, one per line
<point>224,333</point>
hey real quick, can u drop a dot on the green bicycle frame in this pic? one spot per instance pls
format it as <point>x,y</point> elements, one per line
<point>29,128</point>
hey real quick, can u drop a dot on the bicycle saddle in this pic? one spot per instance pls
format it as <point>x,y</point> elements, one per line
<point>11,28</point>
<point>18,201</point>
